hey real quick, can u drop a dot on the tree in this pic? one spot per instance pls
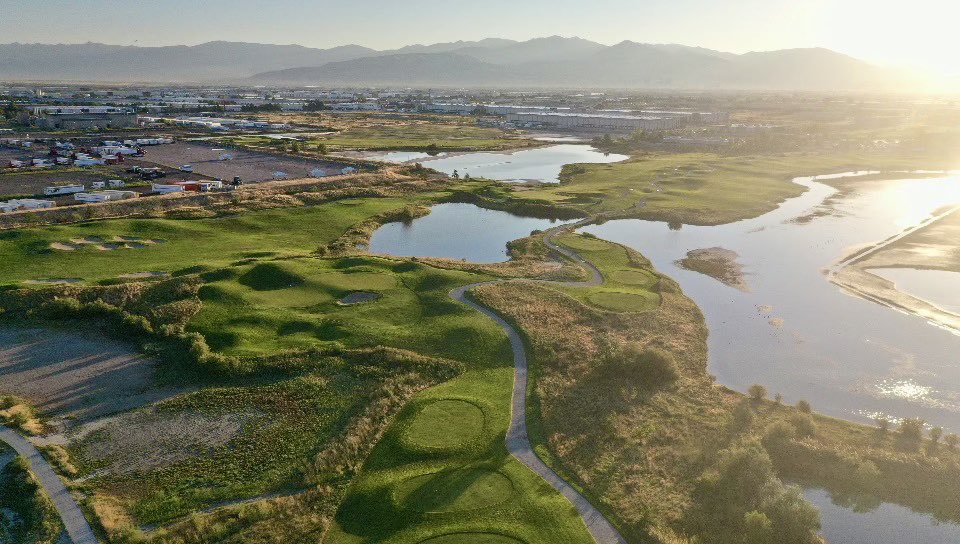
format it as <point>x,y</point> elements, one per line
<point>804,424</point>
<point>314,105</point>
<point>757,528</point>
<point>322,149</point>
<point>757,392</point>
<point>883,425</point>
<point>804,407</point>
<point>778,398</point>
<point>951,440</point>
<point>935,434</point>
<point>456,175</point>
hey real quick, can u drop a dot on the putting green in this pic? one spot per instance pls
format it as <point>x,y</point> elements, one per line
<point>472,538</point>
<point>632,277</point>
<point>444,424</point>
<point>453,491</point>
<point>624,302</point>
<point>584,243</point>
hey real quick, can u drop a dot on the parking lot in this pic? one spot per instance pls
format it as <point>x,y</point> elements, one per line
<point>221,163</point>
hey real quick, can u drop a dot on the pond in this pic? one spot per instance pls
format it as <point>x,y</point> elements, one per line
<point>542,164</point>
<point>938,287</point>
<point>457,231</point>
<point>800,335</point>
<point>400,157</point>
<point>887,524</point>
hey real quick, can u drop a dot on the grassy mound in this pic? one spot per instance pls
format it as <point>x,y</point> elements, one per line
<point>472,538</point>
<point>616,301</point>
<point>639,278</point>
<point>444,424</point>
<point>270,277</point>
<point>455,490</point>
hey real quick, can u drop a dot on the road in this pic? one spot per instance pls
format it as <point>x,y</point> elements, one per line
<point>518,442</point>
<point>76,524</point>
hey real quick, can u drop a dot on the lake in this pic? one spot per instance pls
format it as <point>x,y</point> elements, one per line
<point>457,231</point>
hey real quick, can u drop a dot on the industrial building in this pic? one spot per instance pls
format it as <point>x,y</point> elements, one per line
<point>84,117</point>
<point>598,122</point>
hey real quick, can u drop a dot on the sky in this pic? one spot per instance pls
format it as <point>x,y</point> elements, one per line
<point>914,34</point>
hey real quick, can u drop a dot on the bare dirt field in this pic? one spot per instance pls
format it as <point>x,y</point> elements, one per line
<point>75,375</point>
<point>251,166</point>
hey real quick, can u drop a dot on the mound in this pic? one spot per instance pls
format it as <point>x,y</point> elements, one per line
<point>632,277</point>
<point>270,277</point>
<point>623,302</point>
<point>444,424</point>
<point>472,538</point>
<point>453,491</point>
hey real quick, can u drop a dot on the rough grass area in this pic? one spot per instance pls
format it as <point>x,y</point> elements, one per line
<point>419,486</point>
<point>27,516</point>
<point>377,131</point>
<point>26,254</point>
<point>294,304</point>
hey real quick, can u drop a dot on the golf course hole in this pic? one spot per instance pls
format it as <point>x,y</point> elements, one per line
<point>453,491</point>
<point>472,538</point>
<point>624,302</point>
<point>358,297</point>
<point>444,424</point>
<point>632,277</point>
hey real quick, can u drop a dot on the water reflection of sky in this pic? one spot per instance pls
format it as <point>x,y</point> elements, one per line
<point>848,356</point>
<point>542,164</point>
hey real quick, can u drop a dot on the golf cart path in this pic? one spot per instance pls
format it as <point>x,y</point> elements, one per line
<point>518,442</point>
<point>76,524</point>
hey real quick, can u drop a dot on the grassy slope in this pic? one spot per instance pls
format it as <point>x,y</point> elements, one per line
<point>413,311</point>
<point>474,486</point>
<point>26,254</point>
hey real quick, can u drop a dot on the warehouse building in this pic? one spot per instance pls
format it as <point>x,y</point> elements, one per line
<point>607,122</point>
<point>84,117</point>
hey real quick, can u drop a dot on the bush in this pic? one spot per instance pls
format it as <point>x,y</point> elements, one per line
<point>951,441</point>
<point>804,407</point>
<point>651,367</point>
<point>804,425</point>
<point>757,392</point>
<point>911,431</point>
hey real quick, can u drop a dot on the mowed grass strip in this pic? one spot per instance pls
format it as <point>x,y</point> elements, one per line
<point>629,285</point>
<point>26,254</point>
<point>266,307</point>
<point>475,492</point>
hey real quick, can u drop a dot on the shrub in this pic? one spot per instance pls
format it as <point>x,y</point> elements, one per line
<point>757,392</point>
<point>935,434</point>
<point>911,431</point>
<point>883,425</point>
<point>804,424</point>
<point>804,407</point>
<point>778,398</point>
<point>951,441</point>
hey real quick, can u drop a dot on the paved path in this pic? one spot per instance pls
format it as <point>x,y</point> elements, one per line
<point>77,527</point>
<point>518,442</point>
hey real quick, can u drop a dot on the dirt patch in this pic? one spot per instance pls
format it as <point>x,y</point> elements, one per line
<point>718,263</point>
<point>149,439</point>
<point>75,375</point>
<point>63,247</point>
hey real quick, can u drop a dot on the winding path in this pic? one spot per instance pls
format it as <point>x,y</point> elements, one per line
<point>518,442</point>
<point>76,524</point>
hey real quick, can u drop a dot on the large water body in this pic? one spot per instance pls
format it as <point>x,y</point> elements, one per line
<point>542,164</point>
<point>938,287</point>
<point>888,523</point>
<point>799,334</point>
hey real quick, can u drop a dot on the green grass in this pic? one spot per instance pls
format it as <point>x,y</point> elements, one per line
<point>25,254</point>
<point>471,491</point>
<point>21,495</point>
<point>263,308</point>
<point>627,286</point>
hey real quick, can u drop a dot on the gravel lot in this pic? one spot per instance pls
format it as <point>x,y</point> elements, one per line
<point>251,166</point>
<point>75,375</point>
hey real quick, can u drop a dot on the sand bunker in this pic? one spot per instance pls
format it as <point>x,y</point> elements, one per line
<point>102,244</point>
<point>358,297</point>
<point>144,275</point>
<point>53,281</point>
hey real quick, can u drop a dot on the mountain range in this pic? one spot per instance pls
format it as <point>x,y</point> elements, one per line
<point>541,62</point>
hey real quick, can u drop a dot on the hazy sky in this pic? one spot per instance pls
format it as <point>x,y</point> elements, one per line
<point>914,33</point>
